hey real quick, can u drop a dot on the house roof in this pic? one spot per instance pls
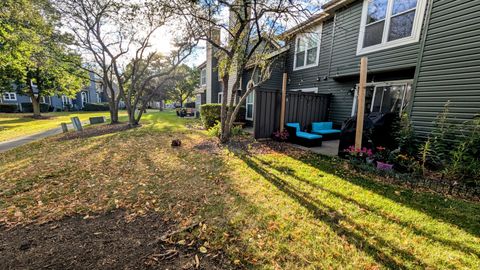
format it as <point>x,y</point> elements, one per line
<point>333,5</point>
<point>270,55</point>
<point>328,10</point>
<point>202,65</point>
<point>313,20</point>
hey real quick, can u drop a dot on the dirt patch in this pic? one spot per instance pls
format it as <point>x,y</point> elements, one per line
<point>105,242</point>
<point>208,146</point>
<point>251,146</point>
<point>94,131</point>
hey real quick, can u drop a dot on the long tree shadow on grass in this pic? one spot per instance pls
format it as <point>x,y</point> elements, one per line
<point>465,215</point>
<point>459,245</point>
<point>357,237</point>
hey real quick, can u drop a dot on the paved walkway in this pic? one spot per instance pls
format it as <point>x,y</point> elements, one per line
<point>328,148</point>
<point>7,145</point>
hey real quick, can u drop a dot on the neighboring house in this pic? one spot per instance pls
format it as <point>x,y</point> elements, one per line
<point>91,94</point>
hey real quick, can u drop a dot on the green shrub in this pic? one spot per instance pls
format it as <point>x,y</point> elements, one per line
<point>215,130</point>
<point>96,107</point>
<point>464,160</point>
<point>406,136</point>
<point>44,107</point>
<point>8,108</point>
<point>210,114</point>
<point>237,130</point>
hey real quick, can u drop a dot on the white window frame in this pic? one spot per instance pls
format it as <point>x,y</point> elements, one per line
<point>203,77</point>
<point>385,44</point>
<point>98,97</point>
<point>250,103</point>
<point>66,100</point>
<point>84,101</point>
<point>380,84</point>
<point>9,96</point>
<point>317,30</point>
<point>220,97</point>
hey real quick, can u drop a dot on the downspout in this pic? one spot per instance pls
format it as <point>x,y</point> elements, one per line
<point>332,44</point>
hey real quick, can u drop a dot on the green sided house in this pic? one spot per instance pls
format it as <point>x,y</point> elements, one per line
<point>421,55</point>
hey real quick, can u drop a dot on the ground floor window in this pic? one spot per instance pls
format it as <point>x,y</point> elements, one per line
<point>249,106</point>
<point>10,96</point>
<point>220,97</point>
<point>84,98</point>
<point>98,97</point>
<point>66,100</point>
<point>385,97</point>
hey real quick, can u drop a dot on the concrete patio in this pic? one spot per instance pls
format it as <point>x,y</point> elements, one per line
<point>328,148</point>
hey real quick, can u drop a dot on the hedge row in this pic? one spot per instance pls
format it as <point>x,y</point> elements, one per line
<point>44,107</point>
<point>96,107</point>
<point>8,108</point>
<point>210,114</point>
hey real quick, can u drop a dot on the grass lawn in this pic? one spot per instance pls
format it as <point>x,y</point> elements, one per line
<point>265,207</point>
<point>13,125</point>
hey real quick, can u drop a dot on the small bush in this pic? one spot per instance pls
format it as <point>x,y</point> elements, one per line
<point>96,107</point>
<point>210,114</point>
<point>237,130</point>
<point>215,130</point>
<point>8,108</point>
<point>28,107</point>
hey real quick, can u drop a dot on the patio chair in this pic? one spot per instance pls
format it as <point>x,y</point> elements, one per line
<point>297,136</point>
<point>326,130</point>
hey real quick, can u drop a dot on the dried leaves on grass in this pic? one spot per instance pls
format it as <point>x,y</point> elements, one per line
<point>135,170</point>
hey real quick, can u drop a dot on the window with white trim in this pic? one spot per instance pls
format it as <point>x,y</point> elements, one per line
<point>220,97</point>
<point>390,23</point>
<point>203,77</point>
<point>66,100</point>
<point>249,106</point>
<point>84,98</point>
<point>386,97</point>
<point>10,96</point>
<point>307,49</point>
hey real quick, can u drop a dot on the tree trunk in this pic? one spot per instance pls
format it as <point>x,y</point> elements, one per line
<point>36,107</point>
<point>223,115</point>
<point>113,107</point>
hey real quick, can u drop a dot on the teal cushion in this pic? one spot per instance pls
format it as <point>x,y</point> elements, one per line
<point>307,135</point>
<point>321,125</point>
<point>326,131</point>
<point>294,125</point>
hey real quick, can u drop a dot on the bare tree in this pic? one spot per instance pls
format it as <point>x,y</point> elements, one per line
<point>250,32</point>
<point>117,37</point>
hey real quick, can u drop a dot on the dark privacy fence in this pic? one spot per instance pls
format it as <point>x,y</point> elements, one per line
<point>301,107</point>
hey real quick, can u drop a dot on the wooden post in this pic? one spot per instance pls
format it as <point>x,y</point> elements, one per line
<point>284,97</point>
<point>361,102</point>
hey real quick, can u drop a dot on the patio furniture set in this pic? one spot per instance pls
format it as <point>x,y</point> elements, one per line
<point>314,135</point>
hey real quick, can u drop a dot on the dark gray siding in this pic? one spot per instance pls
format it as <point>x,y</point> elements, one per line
<point>337,72</point>
<point>449,67</point>
<point>216,85</point>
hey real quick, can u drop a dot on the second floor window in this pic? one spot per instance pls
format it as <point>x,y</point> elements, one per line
<point>307,47</point>
<point>203,77</point>
<point>390,23</point>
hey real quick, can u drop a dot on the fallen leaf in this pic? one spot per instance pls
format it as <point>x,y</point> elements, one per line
<point>203,249</point>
